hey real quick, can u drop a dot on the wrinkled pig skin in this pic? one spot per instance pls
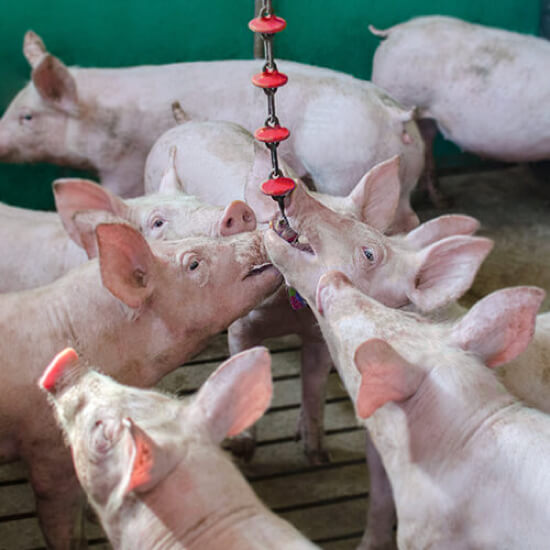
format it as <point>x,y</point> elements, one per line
<point>151,464</point>
<point>108,119</point>
<point>139,311</point>
<point>38,247</point>
<point>441,420</point>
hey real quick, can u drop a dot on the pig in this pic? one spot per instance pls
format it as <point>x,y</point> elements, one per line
<point>468,462</point>
<point>485,88</point>
<point>139,311</point>
<point>428,269</point>
<point>108,119</point>
<point>375,200</point>
<point>236,165</point>
<point>135,452</point>
<point>165,215</point>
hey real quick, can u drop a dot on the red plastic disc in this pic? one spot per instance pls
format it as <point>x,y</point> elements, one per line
<point>267,25</point>
<point>269,79</point>
<point>278,187</point>
<point>272,135</point>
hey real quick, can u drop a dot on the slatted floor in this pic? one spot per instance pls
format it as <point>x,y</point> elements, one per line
<point>328,502</point>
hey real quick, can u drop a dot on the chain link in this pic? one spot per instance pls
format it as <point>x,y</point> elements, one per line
<point>270,66</point>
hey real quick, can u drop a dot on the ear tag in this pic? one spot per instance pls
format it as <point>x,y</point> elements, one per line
<point>296,301</point>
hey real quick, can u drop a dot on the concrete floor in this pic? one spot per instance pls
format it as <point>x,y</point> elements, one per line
<point>328,502</point>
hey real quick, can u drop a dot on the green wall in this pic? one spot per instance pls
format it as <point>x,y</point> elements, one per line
<point>113,33</point>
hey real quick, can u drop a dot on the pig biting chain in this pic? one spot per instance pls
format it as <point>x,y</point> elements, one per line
<point>267,24</point>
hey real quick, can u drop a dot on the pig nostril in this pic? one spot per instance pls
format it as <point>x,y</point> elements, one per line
<point>247,218</point>
<point>229,222</point>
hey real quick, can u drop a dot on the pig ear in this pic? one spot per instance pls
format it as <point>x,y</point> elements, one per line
<point>33,48</point>
<point>440,228</point>
<point>376,196</point>
<point>385,376</point>
<point>170,184</point>
<point>126,263</point>
<point>447,270</point>
<point>148,464</point>
<point>500,327</point>
<point>74,195</point>
<point>237,394</point>
<point>55,84</point>
<point>264,207</point>
<point>85,224</point>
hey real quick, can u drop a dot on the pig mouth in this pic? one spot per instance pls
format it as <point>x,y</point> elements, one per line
<point>257,269</point>
<point>281,227</point>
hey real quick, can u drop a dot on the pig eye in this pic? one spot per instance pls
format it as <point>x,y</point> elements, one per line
<point>193,265</point>
<point>369,254</point>
<point>158,222</point>
<point>25,118</point>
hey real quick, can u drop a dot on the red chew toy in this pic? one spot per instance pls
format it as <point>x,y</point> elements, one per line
<point>272,135</point>
<point>267,25</point>
<point>61,361</point>
<point>269,79</point>
<point>278,187</point>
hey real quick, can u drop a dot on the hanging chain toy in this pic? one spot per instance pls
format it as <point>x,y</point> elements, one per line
<point>270,79</point>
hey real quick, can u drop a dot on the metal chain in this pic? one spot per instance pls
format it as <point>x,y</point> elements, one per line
<point>270,65</point>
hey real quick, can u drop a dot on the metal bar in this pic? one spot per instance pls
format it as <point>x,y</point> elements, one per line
<point>258,42</point>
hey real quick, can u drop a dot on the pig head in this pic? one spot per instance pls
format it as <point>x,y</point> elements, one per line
<point>416,268</point>
<point>151,464</point>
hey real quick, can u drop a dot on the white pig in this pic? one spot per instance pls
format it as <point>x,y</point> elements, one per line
<point>468,462</point>
<point>139,311</point>
<point>374,200</point>
<point>135,452</point>
<point>426,269</point>
<point>220,161</point>
<point>38,247</point>
<point>485,88</point>
<point>108,119</point>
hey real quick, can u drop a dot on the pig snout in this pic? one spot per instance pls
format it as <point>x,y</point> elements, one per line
<point>238,217</point>
<point>59,371</point>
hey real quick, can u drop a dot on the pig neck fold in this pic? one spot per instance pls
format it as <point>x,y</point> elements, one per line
<point>450,442</point>
<point>204,504</point>
<point>139,348</point>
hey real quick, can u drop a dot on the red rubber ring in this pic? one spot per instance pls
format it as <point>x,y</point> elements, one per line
<point>278,187</point>
<point>269,79</point>
<point>272,135</point>
<point>267,25</point>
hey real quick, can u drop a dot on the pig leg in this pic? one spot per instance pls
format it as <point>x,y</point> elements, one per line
<point>60,501</point>
<point>429,182</point>
<point>379,534</point>
<point>316,365</point>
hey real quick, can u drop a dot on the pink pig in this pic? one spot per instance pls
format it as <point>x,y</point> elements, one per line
<point>485,88</point>
<point>429,267</point>
<point>38,247</point>
<point>139,311</point>
<point>151,465</point>
<point>468,462</point>
<point>108,119</point>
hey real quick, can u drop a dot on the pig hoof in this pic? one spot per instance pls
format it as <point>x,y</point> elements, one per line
<point>243,447</point>
<point>318,457</point>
